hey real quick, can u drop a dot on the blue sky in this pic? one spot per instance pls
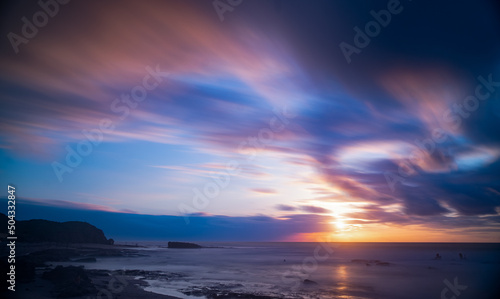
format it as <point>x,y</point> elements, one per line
<point>262,114</point>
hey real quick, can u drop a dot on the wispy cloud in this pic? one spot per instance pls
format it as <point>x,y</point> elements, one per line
<point>263,190</point>
<point>352,123</point>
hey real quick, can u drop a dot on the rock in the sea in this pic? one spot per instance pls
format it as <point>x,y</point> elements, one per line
<point>359,261</point>
<point>182,245</point>
<point>370,262</point>
<point>70,281</point>
<point>383,264</point>
<point>309,282</point>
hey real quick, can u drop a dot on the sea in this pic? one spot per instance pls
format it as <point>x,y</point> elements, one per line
<point>316,270</point>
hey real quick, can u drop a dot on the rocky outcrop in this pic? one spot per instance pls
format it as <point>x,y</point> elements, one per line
<point>70,281</point>
<point>38,231</point>
<point>182,245</point>
<point>309,282</point>
<point>370,262</point>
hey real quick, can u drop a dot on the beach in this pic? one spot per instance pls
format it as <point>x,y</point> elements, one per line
<point>280,270</point>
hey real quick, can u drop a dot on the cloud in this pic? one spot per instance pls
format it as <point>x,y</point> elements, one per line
<point>94,76</point>
<point>64,204</point>
<point>353,123</point>
<point>263,190</point>
<point>314,210</point>
<point>202,227</point>
<point>285,208</point>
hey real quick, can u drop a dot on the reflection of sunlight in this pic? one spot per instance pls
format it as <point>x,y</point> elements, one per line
<point>344,288</point>
<point>341,277</point>
<point>342,272</point>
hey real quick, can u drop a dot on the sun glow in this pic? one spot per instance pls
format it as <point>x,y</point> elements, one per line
<point>340,224</point>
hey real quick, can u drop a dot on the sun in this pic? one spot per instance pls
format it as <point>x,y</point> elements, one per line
<point>340,224</point>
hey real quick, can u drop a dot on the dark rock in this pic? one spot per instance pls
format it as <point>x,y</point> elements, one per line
<point>182,245</point>
<point>309,282</point>
<point>61,232</point>
<point>25,270</point>
<point>52,255</point>
<point>365,261</point>
<point>220,291</point>
<point>98,272</point>
<point>369,262</point>
<point>70,281</point>
<point>383,264</point>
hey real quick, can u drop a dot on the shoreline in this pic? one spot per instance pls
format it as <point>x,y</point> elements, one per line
<point>37,257</point>
<point>115,271</point>
<point>98,283</point>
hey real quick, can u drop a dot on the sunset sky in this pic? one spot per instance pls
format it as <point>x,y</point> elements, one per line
<point>168,119</point>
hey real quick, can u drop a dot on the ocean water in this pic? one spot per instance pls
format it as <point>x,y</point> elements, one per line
<point>316,270</point>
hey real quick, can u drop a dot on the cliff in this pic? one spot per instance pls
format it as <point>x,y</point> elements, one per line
<point>36,231</point>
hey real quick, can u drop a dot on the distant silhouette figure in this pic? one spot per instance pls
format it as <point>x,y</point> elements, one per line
<point>438,257</point>
<point>284,260</point>
<point>461,256</point>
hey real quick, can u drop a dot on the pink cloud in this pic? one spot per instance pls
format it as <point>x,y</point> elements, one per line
<point>263,190</point>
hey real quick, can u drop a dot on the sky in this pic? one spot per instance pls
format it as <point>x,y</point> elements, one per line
<point>370,121</point>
